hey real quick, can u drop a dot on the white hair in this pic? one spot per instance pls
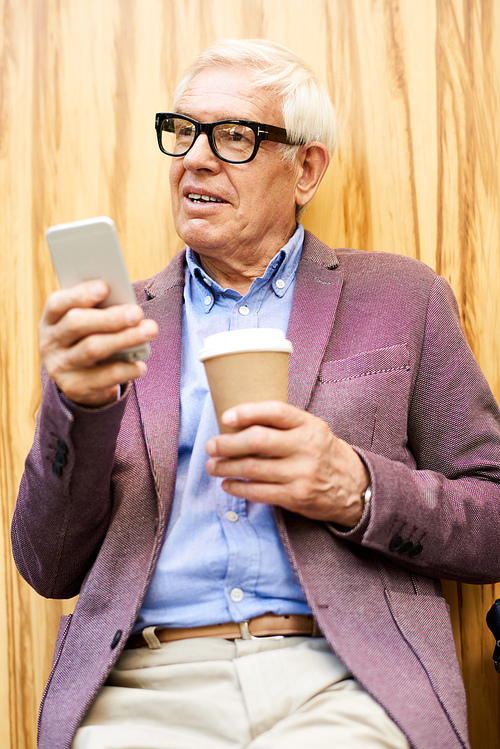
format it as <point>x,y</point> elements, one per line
<point>308,113</point>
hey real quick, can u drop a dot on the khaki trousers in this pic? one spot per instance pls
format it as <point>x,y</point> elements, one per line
<point>268,693</point>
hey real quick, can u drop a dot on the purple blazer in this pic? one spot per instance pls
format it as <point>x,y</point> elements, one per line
<point>379,354</point>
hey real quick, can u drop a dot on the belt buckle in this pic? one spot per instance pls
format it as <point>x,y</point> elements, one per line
<point>247,635</point>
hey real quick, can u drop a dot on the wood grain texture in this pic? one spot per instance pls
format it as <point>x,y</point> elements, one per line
<point>417,88</point>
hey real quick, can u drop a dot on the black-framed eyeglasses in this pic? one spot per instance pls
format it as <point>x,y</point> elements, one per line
<point>234,141</point>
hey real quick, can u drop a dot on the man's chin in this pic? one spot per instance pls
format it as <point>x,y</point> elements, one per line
<point>201,234</point>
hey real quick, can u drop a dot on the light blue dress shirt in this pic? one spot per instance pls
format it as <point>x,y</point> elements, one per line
<point>222,559</point>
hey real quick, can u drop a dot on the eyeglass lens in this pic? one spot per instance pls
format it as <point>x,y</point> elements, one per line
<point>232,141</point>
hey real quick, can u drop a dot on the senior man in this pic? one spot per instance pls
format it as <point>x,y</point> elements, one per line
<point>284,592</point>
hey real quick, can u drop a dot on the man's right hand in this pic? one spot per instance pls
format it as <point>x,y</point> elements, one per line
<point>76,338</point>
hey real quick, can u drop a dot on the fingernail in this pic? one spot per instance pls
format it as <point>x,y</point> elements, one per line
<point>210,447</point>
<point>229,416</point>
<point>149,328</point>
<point>133,315</point>
<point>97,290</point>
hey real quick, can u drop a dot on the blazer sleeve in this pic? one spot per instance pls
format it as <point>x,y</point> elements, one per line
<point>65,500</point>
<point>441,517</point>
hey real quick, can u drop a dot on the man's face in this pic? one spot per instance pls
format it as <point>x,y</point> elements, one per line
<point>256,215</point>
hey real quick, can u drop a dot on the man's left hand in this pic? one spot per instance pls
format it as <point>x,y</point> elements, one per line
<point>290,458</point>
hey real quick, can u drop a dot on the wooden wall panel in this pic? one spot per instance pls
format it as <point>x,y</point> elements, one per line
<point>418,94</point>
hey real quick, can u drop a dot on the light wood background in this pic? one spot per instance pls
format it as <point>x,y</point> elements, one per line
<point>416,85</point>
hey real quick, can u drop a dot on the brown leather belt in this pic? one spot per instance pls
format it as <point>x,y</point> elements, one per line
<point>268,625</point>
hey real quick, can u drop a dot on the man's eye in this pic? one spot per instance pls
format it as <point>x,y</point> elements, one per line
<point>236,135</point>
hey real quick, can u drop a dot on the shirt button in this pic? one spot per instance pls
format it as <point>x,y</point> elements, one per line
<point>236,595</point>
<point>232,516</point>
<point>280,283</point>
<point>208,300</point>
<point>244,311</point>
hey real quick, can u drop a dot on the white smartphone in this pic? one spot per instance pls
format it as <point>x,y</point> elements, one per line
<point>90,249</point>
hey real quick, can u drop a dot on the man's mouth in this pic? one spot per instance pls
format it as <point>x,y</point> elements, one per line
<point>196,198</point>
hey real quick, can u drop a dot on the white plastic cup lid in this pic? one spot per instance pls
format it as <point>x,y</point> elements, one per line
<point>242,341</point>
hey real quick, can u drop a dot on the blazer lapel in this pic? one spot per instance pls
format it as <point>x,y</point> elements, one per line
<point>315,300</point>
<point>158,394</point>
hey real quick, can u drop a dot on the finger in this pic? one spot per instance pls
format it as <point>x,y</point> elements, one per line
<point>86,294</point>
<point>254,440</point>
<point>98,347</point>
<point>322,509</point>
<point>264,470</point>
<point>296,478</point>
<point>78,323</point>
<point>101,384</point>
<point>270,494</point>
<point>269,413</point>
<point>295,496</point>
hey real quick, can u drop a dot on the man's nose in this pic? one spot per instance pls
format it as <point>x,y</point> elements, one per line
<point>201,156</point>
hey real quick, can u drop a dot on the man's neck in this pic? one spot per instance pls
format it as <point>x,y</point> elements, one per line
<point>239,274</point>
<point>238,279</point>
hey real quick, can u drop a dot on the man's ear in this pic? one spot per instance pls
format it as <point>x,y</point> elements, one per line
<point>312,163</point>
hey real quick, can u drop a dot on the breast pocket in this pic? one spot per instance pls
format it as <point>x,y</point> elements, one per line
<point>364,399</point>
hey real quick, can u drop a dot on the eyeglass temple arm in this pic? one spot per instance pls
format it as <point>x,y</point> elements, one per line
<point>277,135</point>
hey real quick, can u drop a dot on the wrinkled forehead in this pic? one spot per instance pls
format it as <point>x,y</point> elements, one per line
<point>217,93</point>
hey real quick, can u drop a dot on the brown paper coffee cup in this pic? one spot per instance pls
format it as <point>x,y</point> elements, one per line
<point>246,366</point>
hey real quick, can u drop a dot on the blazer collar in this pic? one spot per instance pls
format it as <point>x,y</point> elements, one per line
<point>316,296</point>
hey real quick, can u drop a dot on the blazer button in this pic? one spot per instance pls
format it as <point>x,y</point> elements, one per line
<point>406,548</point>
<point>416,551</point>
<point>62,445</point>
<point>395,543</point>
<point>61,458</point>
<point>116,639</point>
<point>57,469</point>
